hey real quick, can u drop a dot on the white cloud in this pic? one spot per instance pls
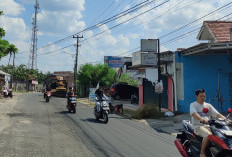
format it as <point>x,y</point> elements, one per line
<point>15,28</point>
<point>58,17</point>
<point>10,7</point>
<point>123,41</point>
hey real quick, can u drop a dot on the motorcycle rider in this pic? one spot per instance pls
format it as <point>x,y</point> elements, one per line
<point>200,120</point>
<point>100,96</point>
<point>46,90</point>
<point>134,98</point>
<point>69,95</point>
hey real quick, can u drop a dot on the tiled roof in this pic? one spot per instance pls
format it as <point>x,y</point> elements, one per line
<point>220,30</point>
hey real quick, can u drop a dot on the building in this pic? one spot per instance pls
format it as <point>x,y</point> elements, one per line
<point>206,65</point>
<point>4,81</point>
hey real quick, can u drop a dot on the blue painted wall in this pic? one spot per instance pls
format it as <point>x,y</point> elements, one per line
<point>202,71</point>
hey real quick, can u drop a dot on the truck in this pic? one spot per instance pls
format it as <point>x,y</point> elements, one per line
<point>57,84</point>
<point>59,87</point>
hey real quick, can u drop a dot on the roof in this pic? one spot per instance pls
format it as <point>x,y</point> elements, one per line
<point>216,31</point>
<point>3,73</point>
<point>209,48</point>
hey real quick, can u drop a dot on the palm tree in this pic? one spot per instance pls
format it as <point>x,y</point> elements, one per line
<point>12,50</point>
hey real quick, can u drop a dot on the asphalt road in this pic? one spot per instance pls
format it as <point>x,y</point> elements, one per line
<point>48,130</point>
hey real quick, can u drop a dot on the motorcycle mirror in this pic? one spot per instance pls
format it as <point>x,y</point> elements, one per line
<point>230,110</point>
<point>205,110</point>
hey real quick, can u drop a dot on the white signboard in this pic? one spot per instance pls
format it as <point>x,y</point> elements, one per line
<point>139,58</point>
<point>159,87</point>
<point>149,45</point>
<point>136,58</point>
<point>149,59</point>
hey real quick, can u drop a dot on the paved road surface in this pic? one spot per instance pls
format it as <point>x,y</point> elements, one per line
<point>48,130</point>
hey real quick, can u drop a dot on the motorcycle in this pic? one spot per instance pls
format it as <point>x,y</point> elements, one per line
<point>134,99</point>
<point>189,144</point>
<point>72,102</point>
<point>101,109</point>
<point>48,96</point>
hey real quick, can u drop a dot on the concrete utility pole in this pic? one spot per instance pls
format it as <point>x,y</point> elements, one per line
<point>33,50</point>
<point>159,73</point>
<point>75,64</point>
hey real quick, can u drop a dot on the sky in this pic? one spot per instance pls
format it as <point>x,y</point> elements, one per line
<point>108,27</point>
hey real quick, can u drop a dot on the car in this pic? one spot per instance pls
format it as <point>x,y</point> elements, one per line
<point>123,91</point>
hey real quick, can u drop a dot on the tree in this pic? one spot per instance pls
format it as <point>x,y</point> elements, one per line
<point>90,75</point>
<point>11,49</point>
<point>128,79</point>
<point>22,73</point>
<point>5,47</point>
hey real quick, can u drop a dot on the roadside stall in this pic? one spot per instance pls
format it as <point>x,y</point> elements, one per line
<point>4,84</point>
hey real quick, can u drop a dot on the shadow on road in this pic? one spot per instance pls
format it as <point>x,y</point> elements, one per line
<point>65,112</point>
<point>92,120</point>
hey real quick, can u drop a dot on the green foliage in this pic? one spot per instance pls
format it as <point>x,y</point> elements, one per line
<point>2,32</point>
<point>22,73</point>
<point>90,75</point>
<point>128,79</point>
<point>5,47</point>
<point>147,111</point>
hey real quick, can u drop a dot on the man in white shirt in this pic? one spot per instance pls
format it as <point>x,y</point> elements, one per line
<point>200,120</point>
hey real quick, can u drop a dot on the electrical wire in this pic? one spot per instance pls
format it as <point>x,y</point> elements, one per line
<point>193,21</point>
<point>132,9</point>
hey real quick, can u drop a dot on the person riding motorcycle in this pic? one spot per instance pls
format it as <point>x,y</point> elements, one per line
<point>46,90</point>
<point>200,120</point>
<point>69,95</point>
<point>100,96</point>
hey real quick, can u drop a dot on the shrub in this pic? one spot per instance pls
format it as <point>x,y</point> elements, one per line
<point>147,111</point>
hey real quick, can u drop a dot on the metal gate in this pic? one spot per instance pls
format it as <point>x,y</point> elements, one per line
<point>149,95</point>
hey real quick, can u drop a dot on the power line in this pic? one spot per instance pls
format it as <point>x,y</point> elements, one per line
<point>188,33</point>
<point>128,20</point>
<point>119,23</point>
<point>103,22</point>
<point>178,36</point>
<point>193,21</point>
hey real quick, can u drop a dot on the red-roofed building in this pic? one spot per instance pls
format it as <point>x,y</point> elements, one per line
<point>216,31</point>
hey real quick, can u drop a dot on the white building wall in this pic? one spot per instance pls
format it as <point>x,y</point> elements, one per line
<point>151,74</point>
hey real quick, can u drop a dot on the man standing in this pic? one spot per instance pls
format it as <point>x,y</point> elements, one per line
<point>200,120</point>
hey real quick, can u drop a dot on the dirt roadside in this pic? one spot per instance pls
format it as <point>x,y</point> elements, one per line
<point>6,107</point>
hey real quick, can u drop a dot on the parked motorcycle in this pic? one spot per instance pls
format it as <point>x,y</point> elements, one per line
<point>101,109</point>
<point>48,96</point>
<point>189,144</point>
<point>72,102</point>
<point>134,99</point>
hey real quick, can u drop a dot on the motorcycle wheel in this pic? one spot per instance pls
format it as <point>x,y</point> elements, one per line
<point>47,99</point>
<point>74,109</point>
<point>105,118</point>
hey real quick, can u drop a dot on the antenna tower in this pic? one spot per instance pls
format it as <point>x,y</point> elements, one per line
<point>33,49</point>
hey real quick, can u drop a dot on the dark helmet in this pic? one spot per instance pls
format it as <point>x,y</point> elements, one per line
<point>99,92</point>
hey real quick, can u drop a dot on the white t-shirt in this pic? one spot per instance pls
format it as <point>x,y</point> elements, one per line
<point>196,107</point>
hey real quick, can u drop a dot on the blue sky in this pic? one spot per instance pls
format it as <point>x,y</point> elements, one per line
<point>60,19</point>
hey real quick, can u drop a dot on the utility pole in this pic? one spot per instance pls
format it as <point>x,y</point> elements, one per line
<point>159,73</point>
<point>75,64</point>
